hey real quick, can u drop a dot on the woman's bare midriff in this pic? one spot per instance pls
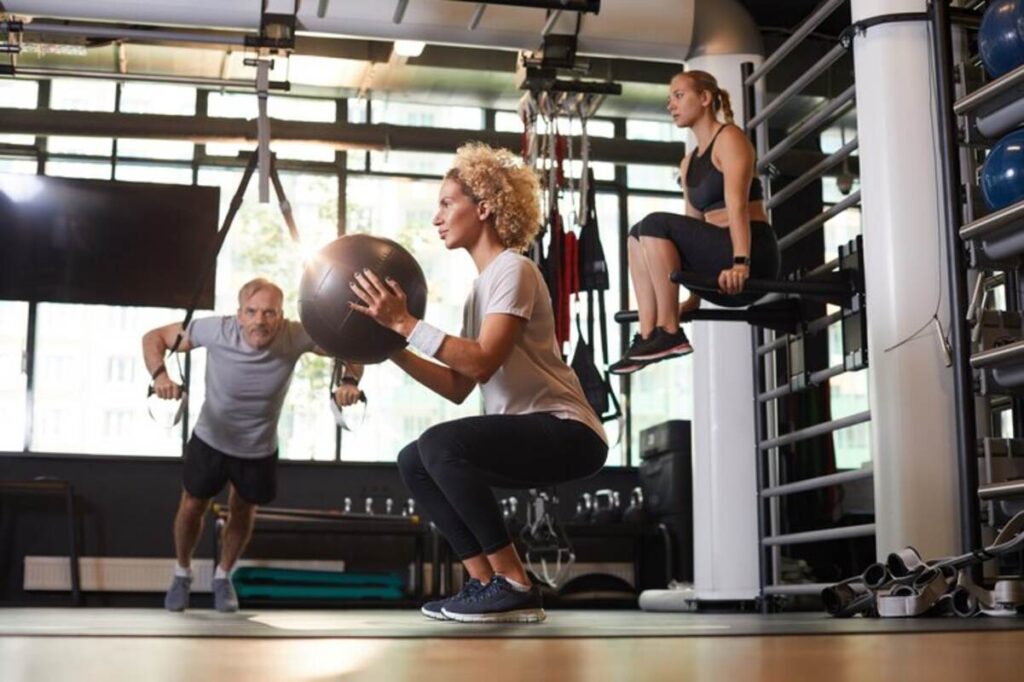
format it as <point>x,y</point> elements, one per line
<point>720,216</point>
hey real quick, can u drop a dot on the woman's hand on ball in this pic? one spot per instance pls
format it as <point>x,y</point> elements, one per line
<point>384,301</point>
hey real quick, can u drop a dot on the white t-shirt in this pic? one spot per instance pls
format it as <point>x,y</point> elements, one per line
<point>534,377</point>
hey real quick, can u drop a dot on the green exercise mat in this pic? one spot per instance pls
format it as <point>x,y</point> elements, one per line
<point>322,592</point>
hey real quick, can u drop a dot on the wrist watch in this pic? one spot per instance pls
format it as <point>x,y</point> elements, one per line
<point>741,260</point>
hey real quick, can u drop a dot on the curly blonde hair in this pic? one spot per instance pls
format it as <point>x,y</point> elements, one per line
<point>498,177</point>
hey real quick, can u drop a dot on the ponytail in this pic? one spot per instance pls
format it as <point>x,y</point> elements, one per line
<point>724,105</point>
<point>720,100</point>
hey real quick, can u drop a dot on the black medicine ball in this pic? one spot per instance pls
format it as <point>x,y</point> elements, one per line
<point>325,293</point>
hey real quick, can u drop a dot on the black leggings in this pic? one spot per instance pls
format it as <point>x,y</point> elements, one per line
<point>451,468</point>
<point>707,250</point>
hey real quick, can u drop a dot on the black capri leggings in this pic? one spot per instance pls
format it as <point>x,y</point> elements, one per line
<point>451,468</point>
<point>707,250</point>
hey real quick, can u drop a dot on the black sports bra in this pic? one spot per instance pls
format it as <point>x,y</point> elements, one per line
<point>705,184</point>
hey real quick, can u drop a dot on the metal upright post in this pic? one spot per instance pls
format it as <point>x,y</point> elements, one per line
<point>749,111</point>
<point>959,337</point>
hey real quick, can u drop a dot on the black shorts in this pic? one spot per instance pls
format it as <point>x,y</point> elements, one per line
<point>707,250</point>
<point>207,470</point>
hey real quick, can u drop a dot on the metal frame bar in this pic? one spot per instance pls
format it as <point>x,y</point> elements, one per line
<point>591,6</point>
<point>149,78</point>
<point>821,429</point>
<point>289,165</point>
<point>802,31</point>
<point>66,490</point>
<point>758,366</point>
<point>833,290</point>
<point>818,482</point>
<point>989,92</point>
<point>816,379</point>
<point>339,134</point>
<point>823,323</point>
<point>812,327</point>
<point>30,373</point>
<point>478,15</point>
<point>186,383</point>
<point>830,58</point>
<point>341,168</point>
<point>795,589</point>
<point>840,533</point>
<point>814,173</point>
<point>823,268</point>
<point>76,577</point>
<point>97,31</point>
<point>818,221</point>
<point>813,122</point>
<point>399,14</point>
<point>959,335</point>
<point>1001,490</point>
<point>774,508</point>
<point>982,227</point>
<point>768,453</point>
<point>775,344</point>
<point>1002,355</point>
<point>549,25</point>
<point>625,381</point>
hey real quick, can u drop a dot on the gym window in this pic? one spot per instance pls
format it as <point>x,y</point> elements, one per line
<point>424,115</point>
<point>18,94</point>
<point>77,349</point>
<point>13,328</point>
<point>656,396</point>
<point>392,193</point>
<point>158,98</point>
<point>76,94</point>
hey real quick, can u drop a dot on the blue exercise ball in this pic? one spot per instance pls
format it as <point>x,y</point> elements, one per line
<point>1002,175</point>
<point>999,37</point>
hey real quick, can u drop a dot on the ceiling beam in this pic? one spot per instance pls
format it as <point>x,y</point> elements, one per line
<point>377,137</point>
<point>357,136</point>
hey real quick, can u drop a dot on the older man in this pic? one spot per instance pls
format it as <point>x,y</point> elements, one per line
<point>250,360</point>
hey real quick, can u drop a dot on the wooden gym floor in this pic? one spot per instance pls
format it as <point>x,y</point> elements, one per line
<point>150,645</point>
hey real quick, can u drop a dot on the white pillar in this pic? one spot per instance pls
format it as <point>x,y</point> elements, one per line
<point>725,544</point>
<point>913,419</point>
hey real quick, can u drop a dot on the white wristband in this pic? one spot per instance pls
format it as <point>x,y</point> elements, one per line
<point>426,338</point>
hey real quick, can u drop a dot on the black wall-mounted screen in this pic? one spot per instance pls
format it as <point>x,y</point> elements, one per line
<point>96,241</point>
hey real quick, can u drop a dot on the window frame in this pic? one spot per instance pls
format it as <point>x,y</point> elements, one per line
<point>339,167</point>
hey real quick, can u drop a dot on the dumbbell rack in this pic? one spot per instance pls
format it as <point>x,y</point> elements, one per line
<point>986,258</point>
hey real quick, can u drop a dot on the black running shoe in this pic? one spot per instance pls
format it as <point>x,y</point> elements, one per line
<point>432,609</point>
<point>629,363</point>
<point>663,344</point>
<point>626,366</point>
<point>498,602</point>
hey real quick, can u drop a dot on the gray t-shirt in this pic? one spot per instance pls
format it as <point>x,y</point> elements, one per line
<point>245,386</point>
<point>534,378</point>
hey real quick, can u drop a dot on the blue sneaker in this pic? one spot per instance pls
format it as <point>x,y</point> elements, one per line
<point>498,602</point>
<point>434,609</point>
